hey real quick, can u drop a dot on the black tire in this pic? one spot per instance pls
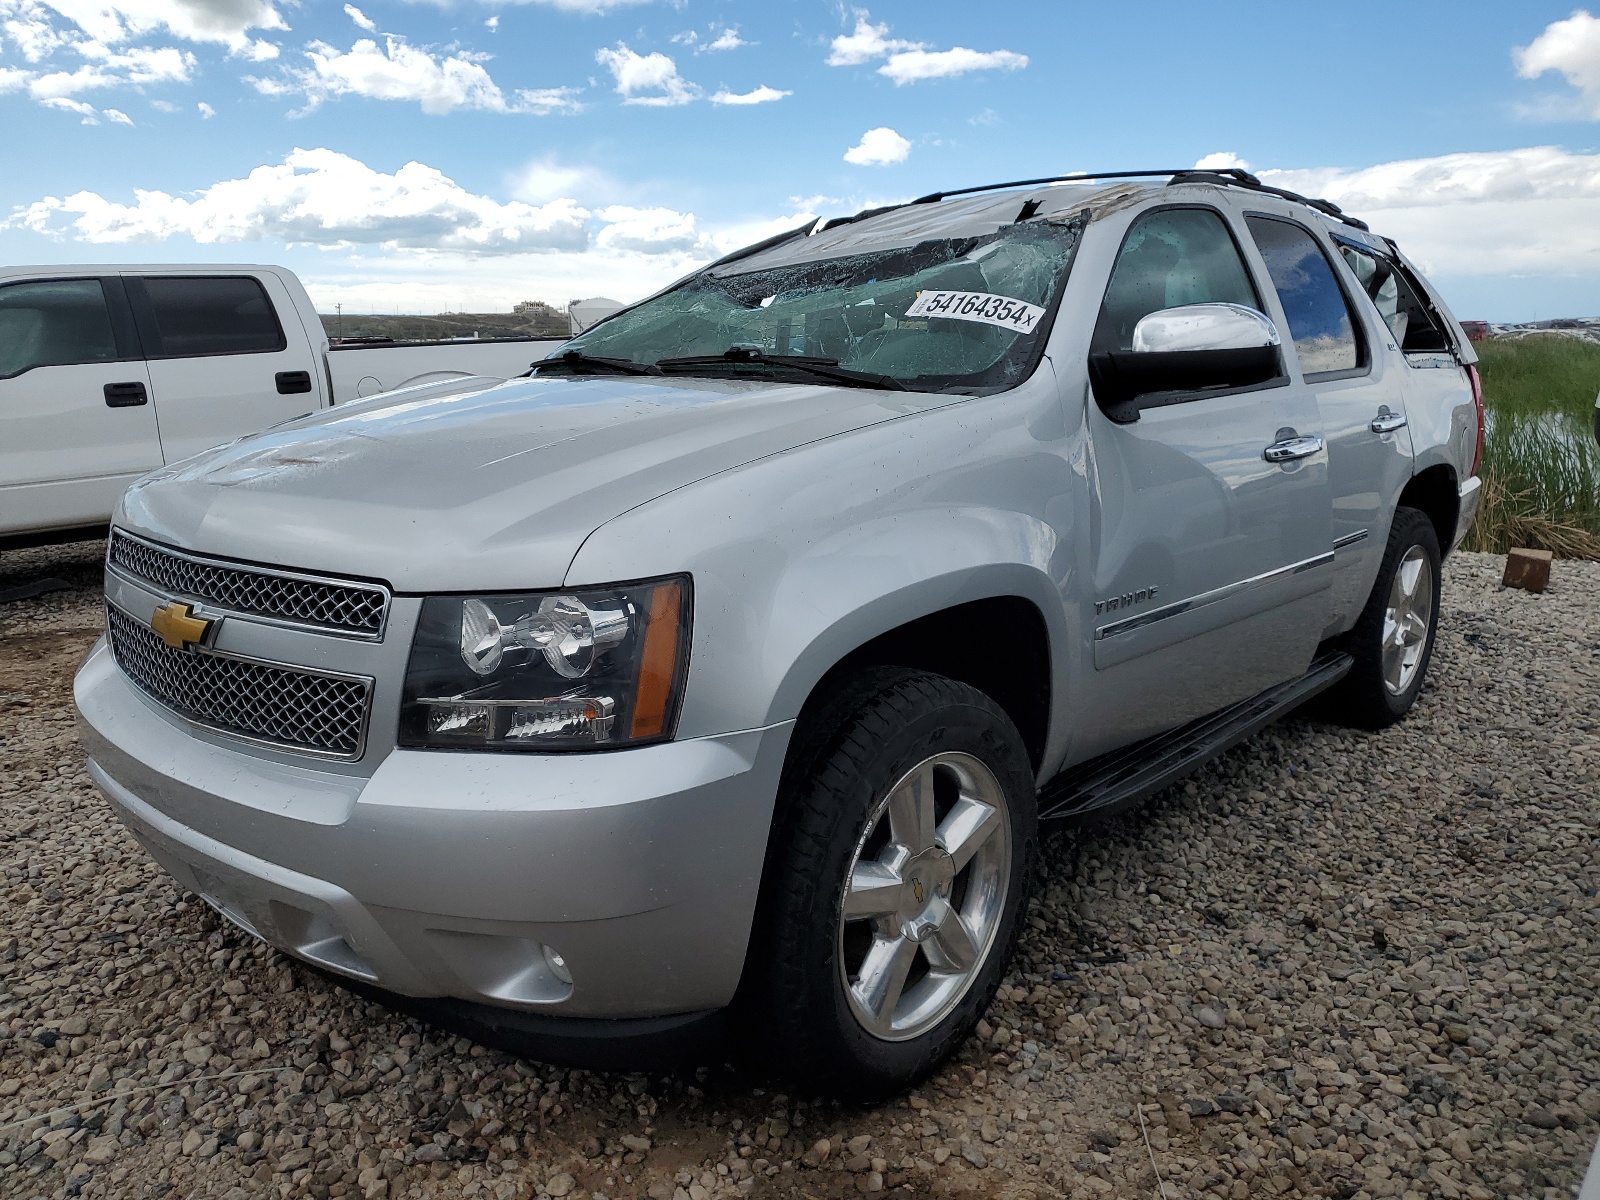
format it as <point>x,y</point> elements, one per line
<point>1364,699</point>
<point>847,757</point>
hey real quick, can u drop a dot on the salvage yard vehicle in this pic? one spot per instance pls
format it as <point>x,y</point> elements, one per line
<point>729,666</point>
<point>108,372</point>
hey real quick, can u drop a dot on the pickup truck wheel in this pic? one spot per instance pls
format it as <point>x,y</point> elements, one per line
<point>896,885</point>
<point>1392,641</point>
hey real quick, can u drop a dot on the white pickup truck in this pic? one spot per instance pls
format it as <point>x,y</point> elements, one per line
<point>107,372</point>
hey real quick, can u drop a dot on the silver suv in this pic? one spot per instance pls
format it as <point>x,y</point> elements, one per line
<point>733,660</point>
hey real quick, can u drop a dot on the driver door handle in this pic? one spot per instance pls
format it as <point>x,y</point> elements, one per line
<point>1387,422</point>
<point>1290,449</point>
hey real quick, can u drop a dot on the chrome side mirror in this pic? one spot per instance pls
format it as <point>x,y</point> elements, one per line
<point>1184,354</point>
<point>1204,327</point>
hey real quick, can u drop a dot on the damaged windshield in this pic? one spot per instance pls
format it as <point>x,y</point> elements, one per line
<point>964,314</point>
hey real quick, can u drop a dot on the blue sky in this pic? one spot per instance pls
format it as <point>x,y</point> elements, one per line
<point>471,153</point>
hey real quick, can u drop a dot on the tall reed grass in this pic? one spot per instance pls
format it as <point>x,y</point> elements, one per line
<point>1541,465</point>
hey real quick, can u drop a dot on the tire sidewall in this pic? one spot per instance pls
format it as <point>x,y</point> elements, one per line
<point>864,1064</point>
<point>1411,528</point>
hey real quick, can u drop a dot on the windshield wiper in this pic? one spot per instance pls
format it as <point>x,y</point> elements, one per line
<point>823,368</point>
<point>577,360</point>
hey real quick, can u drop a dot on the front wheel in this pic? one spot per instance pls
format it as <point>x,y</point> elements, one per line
<point>1392,642</point>
<point>897,885</point>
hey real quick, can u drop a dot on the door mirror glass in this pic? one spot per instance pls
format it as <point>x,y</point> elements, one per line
<point>1204,327</point>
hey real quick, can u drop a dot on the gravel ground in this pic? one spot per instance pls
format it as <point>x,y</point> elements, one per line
<point>1332,964</point>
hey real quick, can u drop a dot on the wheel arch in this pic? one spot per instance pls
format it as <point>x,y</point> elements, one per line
<point>1433,492</point>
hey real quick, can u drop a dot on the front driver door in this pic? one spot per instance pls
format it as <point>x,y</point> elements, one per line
<point>1210,565</point>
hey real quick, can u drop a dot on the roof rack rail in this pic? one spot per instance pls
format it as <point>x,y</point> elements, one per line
<point>1227,176</point>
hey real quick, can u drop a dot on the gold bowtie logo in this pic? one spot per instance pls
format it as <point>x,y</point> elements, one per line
<point>178,626</point>
<point>916,889</point>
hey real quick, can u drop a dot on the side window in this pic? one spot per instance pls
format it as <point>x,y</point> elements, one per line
<point>1171,257</point>
<point>1408,318</point>
<point>1320,321</point>
<point>197,316</point>
<point>54,323</point>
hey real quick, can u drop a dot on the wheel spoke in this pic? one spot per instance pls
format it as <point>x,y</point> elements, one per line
<point>883,978</point>
<point>911,810</point>
<point>873,892</point>
<point>967,827</point>
<point>951,950</point>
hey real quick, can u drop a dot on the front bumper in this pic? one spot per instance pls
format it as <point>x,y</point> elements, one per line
<point>445,874</point>
<point>1468,495</point>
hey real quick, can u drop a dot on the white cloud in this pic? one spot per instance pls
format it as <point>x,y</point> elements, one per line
<point>1508,212</point>
<point>224,22</point>
<point>865,43</point>
<point>492,23</point>
<point>878,147</point>
<point>1221,160</point>
<point>650,79</point>
<point>85,110</point>
<point>586,7</point>
<point>911,62</point>
<point>360,18</point>
<point>1571,47</point>
<point>13,79</point>
<point>728,39</point>
<point>205,110</point>
<point>760,95</point>
<point>166,106</point>
<point>322,198</point>
<point>912,66</point>
<point>117,117</point>
<point>647,230</point>
<point>400,71</point>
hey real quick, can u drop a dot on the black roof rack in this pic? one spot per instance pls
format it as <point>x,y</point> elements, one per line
<point>1225,176</point>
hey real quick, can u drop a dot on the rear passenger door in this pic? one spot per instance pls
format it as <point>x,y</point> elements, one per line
<point>1210,564</point>
<point>76,424</point>
<point>1355,377</point>
<point>227,357</point>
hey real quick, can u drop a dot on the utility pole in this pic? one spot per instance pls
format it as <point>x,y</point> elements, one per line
<point>339,308</point>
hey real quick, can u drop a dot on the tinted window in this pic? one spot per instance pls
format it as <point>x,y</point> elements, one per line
<point>196,316</point>
<point>1319,319</point>
<point>1170,258</point>
<point>1384,280</point>
<point>52,324</point>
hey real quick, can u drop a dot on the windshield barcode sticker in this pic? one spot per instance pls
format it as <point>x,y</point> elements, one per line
<point>1016,315</point>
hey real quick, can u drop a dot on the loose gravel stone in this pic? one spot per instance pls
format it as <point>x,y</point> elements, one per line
<point>1330,964</point>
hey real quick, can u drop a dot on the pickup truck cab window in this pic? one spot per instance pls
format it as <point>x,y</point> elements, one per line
<point>1169,258</point>
<point>54,323</point>
<point>961,314</point>
<point>1320,322</point>
<point>189,317</point>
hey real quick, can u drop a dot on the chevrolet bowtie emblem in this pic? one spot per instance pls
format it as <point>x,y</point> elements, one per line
<point>179,627</point>
<point>916,888</point>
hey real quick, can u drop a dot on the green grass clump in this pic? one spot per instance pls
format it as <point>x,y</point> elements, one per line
<point>1541,466</point>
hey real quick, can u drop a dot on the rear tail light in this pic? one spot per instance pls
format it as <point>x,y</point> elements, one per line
<point>1477,403</point>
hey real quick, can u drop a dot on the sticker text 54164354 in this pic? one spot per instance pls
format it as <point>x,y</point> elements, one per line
<point>1017,315</point>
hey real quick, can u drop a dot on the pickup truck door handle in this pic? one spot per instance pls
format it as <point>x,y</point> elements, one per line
<point>125,395</point>
<point>1387,422</point>
<point>292,383</point>
<point>1289,449</point>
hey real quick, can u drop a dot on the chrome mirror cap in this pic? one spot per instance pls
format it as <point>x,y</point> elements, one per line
<point>1204,327</point>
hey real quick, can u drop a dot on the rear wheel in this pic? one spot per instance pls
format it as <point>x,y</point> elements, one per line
<point>1392,642</point>
<point>896,885</point>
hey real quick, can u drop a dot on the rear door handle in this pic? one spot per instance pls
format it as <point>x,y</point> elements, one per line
<point>292,383</point>
<point>125,395</point>
<point>1289,449</point>
<point>1387,422</point>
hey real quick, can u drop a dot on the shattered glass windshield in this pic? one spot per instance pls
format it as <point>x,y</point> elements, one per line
<point>959,314</point>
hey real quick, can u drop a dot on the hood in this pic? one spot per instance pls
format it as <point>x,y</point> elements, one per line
<point>496,489</point>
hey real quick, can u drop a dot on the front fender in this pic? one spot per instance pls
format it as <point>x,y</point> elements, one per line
<point>803,557</point>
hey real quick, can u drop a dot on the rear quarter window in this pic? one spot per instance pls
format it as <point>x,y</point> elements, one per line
<point>196,316</point>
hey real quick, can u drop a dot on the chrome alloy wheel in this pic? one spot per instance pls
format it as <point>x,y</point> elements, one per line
<point>925,896</point>
<point>1407,619</point>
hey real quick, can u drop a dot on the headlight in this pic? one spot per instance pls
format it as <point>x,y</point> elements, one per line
<point>550,670</point>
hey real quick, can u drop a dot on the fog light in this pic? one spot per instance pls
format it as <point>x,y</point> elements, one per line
<point>557,965</point>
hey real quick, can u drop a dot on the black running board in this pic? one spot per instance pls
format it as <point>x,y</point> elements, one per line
<point>1124,777</point>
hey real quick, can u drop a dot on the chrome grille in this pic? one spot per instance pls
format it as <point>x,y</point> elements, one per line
<point>283,596</point>
<point>294,709</point>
